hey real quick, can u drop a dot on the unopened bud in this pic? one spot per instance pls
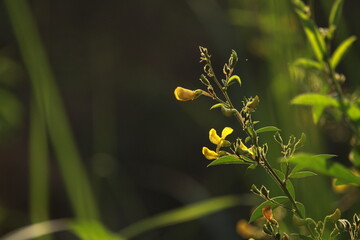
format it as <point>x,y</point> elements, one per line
<point>183,94</point>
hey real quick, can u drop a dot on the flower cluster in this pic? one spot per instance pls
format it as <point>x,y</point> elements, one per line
<point>219,142</point>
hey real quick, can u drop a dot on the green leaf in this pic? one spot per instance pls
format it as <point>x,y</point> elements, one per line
<point>314,99</point>
<point>234,78</point>
<point>226,160</point>
<point>267,129</point>
<point>257,213</point>
<point>180,215</point>
<point>280,174</point>
<point>322,164</point>
<point>302,174</point>
<point>93,230</point>
<point>317,112</point>
<point>283,166</point>
<point>341,50</point>
<point>335,12</point>
<point>334,216</point>
<point>353,111</point>
<point>307,63</point>
<point>217,106</point>
<point>313,35</point>
<point>290,188</point>
<point>301,208</point>
<point>318,102</point>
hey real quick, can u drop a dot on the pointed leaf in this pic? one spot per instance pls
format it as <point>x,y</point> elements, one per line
<point>335,12</point>
<point>290,188</point>
<point>217,105</point>
<point>313,35</point>
<point>307,63</point>
<point>234,78</point>
<point>301,208</point>
<point>267,129</point>
<point>314,99</point>
<point>280,174</point>
<point>302,174</point>
<point>257,213</point>
<point>322,164</point>
<point>284,167</point>
<point>341,50</point>
<point>226,160</point>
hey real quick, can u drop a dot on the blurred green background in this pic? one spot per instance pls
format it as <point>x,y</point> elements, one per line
<point>116,64</point>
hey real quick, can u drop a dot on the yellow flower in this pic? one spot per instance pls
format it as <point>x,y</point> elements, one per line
<point>242,149</point>
<point>209,154</point>
<point>218,141</point>
<point>246,230</point>
<point>183,94</point>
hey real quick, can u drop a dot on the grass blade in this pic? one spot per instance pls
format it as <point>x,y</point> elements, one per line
<point>39,170</point>
<point>38,230</point>
<point>184,214</point>
<point>50,106</point>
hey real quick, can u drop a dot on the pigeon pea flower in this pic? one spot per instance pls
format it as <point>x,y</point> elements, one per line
<point>210,154</point>
<point>242,149</point>
<point>218,141</point>
<point>183,94</point>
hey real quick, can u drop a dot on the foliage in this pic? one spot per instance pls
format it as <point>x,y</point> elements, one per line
<point>291,165</point>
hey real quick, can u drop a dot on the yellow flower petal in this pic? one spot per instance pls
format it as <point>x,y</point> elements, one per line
<point>226,131</point>
<point>183,94</point>
<point>243,147</point>
<point>214,138</point>
<point>209,154</point>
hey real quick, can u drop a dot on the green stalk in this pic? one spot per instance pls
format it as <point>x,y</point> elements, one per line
<point>39,174</point>
<point>262,161</point>
<point>48,101</point>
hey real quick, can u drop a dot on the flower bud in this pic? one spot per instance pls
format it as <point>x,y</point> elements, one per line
<point>183,94</point>
<point>267,212</point>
